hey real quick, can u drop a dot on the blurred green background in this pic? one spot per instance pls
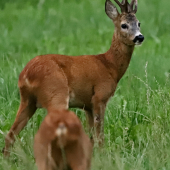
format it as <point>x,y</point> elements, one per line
<point>137,120</point>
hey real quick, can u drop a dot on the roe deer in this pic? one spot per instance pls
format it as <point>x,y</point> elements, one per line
<point>61,143</point>
<point>58,81</point>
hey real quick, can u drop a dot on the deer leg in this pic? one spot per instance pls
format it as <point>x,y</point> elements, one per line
<point>78,164</point>
<point>98,114</point>
<point>90,124</point>
<point>82,167</point>
<point>42,152</point>
<point>25,112</point>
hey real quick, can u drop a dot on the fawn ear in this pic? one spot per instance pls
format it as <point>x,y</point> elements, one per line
<point>111,10</point>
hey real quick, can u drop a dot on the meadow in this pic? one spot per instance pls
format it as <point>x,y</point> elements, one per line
<point>137,119</point>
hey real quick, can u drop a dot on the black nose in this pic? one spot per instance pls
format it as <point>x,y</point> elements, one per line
<point>138,38</point>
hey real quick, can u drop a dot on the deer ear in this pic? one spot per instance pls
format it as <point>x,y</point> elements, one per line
<point>111,10</point>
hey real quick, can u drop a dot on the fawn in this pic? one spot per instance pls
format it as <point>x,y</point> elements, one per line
<point>56,81</point>
<point>61,143</point>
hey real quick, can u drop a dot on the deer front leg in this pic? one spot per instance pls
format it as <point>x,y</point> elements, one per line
<point>98,113</point>
<point>102,94</point>
<point>90,124</point>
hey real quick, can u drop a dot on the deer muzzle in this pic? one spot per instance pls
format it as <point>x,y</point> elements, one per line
<point>138,39</point>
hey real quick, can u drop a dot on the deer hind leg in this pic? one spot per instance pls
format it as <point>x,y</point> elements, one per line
<point>26,109</point>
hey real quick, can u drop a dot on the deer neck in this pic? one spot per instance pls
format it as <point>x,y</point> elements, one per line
<point>119,55</point>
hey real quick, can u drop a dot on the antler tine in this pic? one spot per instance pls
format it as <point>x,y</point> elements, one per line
<point>123,1</point>
<point>136,6</point>
<point>124,5</point>
<point>120,5</point>
<point>132,4</point>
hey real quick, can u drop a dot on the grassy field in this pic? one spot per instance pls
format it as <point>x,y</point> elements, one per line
<point>137,119</point>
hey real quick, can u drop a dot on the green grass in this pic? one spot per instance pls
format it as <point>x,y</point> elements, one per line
<point>137,120</point>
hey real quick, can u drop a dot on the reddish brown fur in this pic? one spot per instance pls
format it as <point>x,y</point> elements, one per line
<point>77,147</point>
<point>88,81</point>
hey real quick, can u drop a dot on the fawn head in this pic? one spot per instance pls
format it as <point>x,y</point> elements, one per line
<point>127,27</point>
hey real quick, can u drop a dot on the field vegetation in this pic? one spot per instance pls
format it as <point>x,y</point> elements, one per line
<point>137,119</point>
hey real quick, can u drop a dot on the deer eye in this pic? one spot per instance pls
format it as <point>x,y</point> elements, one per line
<point>124,26</point>
<point>139,24</point>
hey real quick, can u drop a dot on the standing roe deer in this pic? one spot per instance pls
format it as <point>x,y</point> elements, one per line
<point>88,81</point>
<point>61,143</point>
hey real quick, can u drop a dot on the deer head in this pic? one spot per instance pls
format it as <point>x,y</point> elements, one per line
<point>127,27</point>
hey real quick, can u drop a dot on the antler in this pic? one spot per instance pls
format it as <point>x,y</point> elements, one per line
<point>134,2</point>
<point>126,7</point>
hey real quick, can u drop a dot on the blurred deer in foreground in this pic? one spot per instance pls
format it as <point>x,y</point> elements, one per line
<point>88,81</point>
<point>61,143</point>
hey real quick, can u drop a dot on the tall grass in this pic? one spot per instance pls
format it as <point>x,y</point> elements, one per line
<point>137,121</point>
